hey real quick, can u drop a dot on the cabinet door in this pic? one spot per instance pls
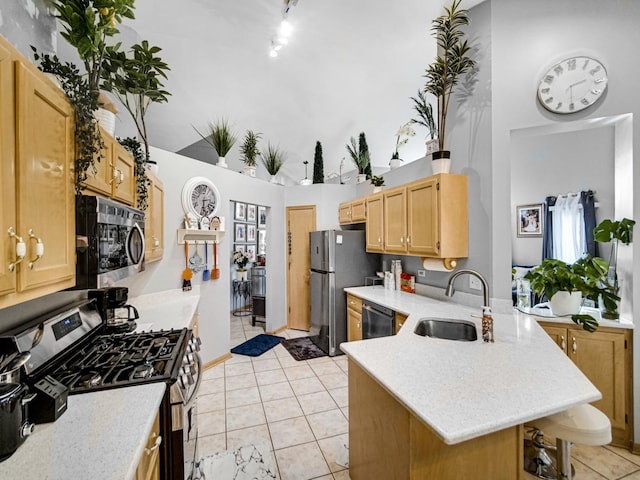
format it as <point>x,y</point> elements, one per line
<point>45,193</point>
<point>7,171</point>
<point>423,220</point>
<point>558,335</point>
<point>375,222</point>
<point>601,357</point>
<point>154,233</point>
<point>125,181</point>
<point>344,213</point>
<point>149,466</point>
<point>400,319</point>
<point>101,179</point>
<point>358,211</point>
<point>354,325</point>
<point>395,218</point>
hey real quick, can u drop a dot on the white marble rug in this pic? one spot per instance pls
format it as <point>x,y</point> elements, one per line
<point>244,463</point>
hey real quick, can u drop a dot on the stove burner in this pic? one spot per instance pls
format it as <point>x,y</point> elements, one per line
<point>90,379</point>
<point>143,371</point>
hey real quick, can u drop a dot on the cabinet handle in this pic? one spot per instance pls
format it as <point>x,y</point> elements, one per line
<point>574,347</point>
<point>39,248</point>
<point>379,241</point>
<point>351,302</point>
<point>563,344</point>
<point>156,242</point>
<point>408,239</point>
<point>401,238</point>
<point>21,249</point>
<point>149,450</point>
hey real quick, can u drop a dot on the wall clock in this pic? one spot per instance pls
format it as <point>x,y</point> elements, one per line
<point>200,197</point>
<point>572,84</point>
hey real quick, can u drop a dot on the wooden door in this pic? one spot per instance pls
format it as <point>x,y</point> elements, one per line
<point>7,170</point>
<point>558,335</point>
<point>423,220</point>
<point>300,221</point>
<point>124,173</point>
<point>45,193</point>
<point>375,223</point>
<point>395,218</point>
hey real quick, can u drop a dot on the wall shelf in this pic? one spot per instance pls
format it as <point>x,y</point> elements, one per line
<point>199,236</point>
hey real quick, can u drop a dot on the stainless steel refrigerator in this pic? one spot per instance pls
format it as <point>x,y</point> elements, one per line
<point>338,260</point>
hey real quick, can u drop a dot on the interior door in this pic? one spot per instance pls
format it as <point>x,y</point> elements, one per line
<point>300,221</point>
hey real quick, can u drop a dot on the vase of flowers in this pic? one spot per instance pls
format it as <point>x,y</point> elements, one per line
<point>241,259</point>
<point>402,137</point>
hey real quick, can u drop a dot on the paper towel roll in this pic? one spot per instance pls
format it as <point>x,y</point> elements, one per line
<point>439,264</point>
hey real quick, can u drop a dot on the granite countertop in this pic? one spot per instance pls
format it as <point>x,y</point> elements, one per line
<point>101,436</point>
<point>464,390</point>
<point>166,310</point>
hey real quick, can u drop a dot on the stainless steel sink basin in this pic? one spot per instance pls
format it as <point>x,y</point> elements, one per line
<point>447,328</point>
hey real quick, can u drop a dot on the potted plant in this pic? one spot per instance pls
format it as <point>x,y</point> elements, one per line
<point>137,82</point>
<point>452,62</point>
<point>618,231</point>
<point>425,118</point>
<point>222,139</point>
<point>404,131</point>
<point>139,170</point>
<point>306,180</point>
<point>360,157</point>
<point>318,164</point>
<point>377,182</point>
<point>249,151</point>
<point>273,159</point>
<point>241,259</point>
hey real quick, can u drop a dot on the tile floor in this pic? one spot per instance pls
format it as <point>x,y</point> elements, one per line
<point>297,414</point>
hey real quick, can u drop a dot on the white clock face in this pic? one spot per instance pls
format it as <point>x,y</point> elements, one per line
<point>200,197</point>
<point>572,85</point>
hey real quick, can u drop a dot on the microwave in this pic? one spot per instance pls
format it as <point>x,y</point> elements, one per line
<point>109,241</point>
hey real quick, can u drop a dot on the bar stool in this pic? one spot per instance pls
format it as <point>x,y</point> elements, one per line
<point>584,425</point>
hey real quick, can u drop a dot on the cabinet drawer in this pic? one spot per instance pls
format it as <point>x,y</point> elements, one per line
<point>355,303</point>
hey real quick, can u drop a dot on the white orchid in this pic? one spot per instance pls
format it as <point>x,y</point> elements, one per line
<point>404,131</point>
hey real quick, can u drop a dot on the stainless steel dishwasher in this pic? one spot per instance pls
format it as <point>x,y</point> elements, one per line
<point>377,321</point>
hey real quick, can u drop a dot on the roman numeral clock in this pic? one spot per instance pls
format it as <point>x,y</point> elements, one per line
<point>572,85</point>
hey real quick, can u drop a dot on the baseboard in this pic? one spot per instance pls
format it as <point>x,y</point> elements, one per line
<point>216,361</point>
<point>635,448</point>
<point>278,330</point>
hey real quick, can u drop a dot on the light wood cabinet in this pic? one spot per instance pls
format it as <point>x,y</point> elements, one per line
<point>149,466</point>
<point>352,212</point>
<point>154,220</point>
<point>114,175</point>
<point>38,201</point>
<point>354,318</point>
<point>400,319</point>
<point>375,223</point>
<point>605,358</point>
<point>395,220</point>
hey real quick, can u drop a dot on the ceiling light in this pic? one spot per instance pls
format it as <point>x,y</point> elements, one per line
<point>273,53</point>
<point>277,47</point>
<point>285,28</point>
<point>282,40</point>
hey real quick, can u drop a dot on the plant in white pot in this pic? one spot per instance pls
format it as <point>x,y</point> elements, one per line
<point>360,157</point>
<point>377,181</point>
<point>221,138</point>
<point>402,137</point>
<point>241,259</point>
<point>249,151</point>
<point>273,160</point>
<point>450,65</point>
<point>425,118</point>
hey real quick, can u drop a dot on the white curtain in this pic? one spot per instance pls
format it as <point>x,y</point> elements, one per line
<point>569,241</point>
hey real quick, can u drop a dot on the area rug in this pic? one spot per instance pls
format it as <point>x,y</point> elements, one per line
<point>257,345</point>
<point>302,348</point>
<point>244,463</point>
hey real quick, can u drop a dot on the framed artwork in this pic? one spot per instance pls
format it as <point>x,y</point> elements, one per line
<point>262,217</point>
<point>241,211</point>
<point>251,213</point>
<point>262,242</point>
<point>251,233</point>
<point>251,250</point>
<point>529,220</point>
<point>239,248</point>
<point>240,232</point>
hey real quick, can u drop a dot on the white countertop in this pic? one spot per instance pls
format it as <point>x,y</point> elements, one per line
<point>464,390</point>
<point>166,310</point>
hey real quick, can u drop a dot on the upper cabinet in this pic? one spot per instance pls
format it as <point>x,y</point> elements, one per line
<point>37,213</point>
<point>352,212</point>
<point>375,223</point>
<point>154,220</point>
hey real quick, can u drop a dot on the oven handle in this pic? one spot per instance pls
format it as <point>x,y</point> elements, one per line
<point>194,392</point>
<point>142,240</point>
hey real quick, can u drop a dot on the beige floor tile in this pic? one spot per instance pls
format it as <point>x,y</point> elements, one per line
<point>211,403</point>
<point>266,355</point>
<point>345,412</point>
<point>245,416</point>
<point>243,396</point>
<point>262,365</point>
<point>306,385</point>
<point>328,424</point>
<point>318,360</point>
<point>324,477</point>
<point>290,432</point>
<point>275,391</point>
<point>241,381</point>
<point>326,368</point>
<point>235,358</point>
<point>335,450</point>
<point>342,362</point>
<point>624,453</point>
<point>302,462</point>
<point>289,361</point>
<point>271,376</point>
<point>207,387</point>
<point>214,372</point>
<point>633,476</point>
<point>296,333</point>
<point>257,435</point>
<point>210,444</point>
<point>316,402</point>
<point>340,396</point>
<point>211,423</point>
<point>277,410</point>
<point>296,373</point>
<point>235,369</point>
<point>603,461</point>
<point>280,351</point>
<point>334,380</point>
<point>583,472</point>
<point>341,475</point>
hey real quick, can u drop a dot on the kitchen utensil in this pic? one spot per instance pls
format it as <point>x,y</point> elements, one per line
<point>18,361</point>
<point>206,273</point>
<point>216,272</point>
<point>196,262</point>
<point>187,274</point>
<point>10,373</point>
<point>6,360</point>
<point>14,425</point>
<point>50,401</point>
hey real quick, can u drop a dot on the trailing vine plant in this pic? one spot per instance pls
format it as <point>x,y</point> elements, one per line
<point>89,145</point>
<point>140,170</point>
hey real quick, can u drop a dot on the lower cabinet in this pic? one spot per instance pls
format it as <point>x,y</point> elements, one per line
<point>149,466</point>
<point>354,318</point>
<point>400,319</point>
<point>605,358</point>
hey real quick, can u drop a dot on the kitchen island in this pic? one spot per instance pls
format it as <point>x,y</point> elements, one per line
<point>423,407</point>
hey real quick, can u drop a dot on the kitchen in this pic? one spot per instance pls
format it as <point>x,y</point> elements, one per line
<point>488,168</point>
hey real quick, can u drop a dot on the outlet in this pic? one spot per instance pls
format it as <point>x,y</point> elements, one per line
<point>422,273</point>
<point>475,283</point>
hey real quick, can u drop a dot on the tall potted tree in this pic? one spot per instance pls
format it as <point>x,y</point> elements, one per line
<point>249,151</point>
<point>318,164</point>
<point>221,138</point>
<point>425,118</point>
<point>273,160</point>
<point>452,62</point>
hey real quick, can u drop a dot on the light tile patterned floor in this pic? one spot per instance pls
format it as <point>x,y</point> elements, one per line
<point>297,413</point>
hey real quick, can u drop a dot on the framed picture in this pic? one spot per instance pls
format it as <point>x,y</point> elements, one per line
<point>262,242</point>
<point>529,218</point>
<point>239,248</point>
<point>240,232</point>
<point>262,217</point>
<point>251,233</point>
<point>251,213</point>
<point>251,250</point>
<point>241,211</point>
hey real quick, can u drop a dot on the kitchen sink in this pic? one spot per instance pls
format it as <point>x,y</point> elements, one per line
<point>447,328</point>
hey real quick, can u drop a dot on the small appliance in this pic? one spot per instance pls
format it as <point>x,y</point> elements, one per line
<point>111,302</point>
<point>15,426</point>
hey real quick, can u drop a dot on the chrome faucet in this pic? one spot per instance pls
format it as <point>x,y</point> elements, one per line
<point>487,319</point>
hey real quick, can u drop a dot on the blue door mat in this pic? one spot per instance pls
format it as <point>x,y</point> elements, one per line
<point>256,346</point>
